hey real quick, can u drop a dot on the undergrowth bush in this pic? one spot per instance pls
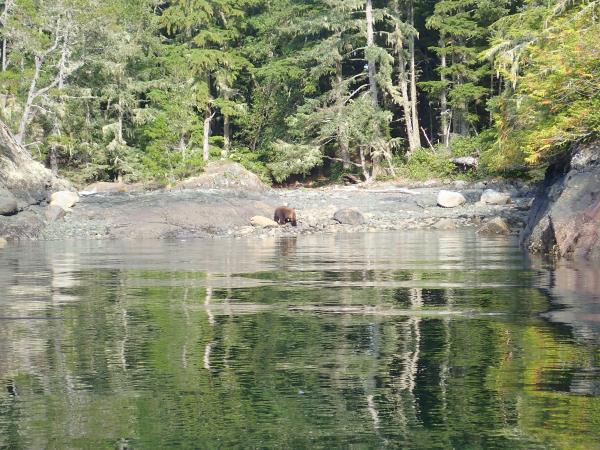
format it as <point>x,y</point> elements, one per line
<point>253,162</point>
<point>426,163</point>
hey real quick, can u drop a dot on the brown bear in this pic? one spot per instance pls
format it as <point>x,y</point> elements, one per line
<point>283,215</point>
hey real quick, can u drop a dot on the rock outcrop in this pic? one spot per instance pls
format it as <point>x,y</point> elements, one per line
<point>349,216</point>
<point>565,216</point>
<point>225,174</point>
<point>24,184</point>
<point>8,203</point>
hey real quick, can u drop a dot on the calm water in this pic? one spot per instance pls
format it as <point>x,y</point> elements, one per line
<point>412,340</point>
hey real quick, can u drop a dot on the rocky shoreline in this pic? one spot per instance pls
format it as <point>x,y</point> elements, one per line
<point>191,213</point>
<point>229,201</point>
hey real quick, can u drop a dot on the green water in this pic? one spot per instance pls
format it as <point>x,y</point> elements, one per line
<point>397,340</point>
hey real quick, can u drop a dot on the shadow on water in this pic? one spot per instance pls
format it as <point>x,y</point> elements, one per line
<point>419,340</point>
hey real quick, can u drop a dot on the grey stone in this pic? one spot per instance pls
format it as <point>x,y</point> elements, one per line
<point>492,197</point>
<point>349,216</point>
<point>497,225</point>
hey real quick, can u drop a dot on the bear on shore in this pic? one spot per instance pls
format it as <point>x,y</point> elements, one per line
<point>283,215</point>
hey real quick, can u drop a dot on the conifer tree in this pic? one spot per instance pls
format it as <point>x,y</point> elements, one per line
<point>463,31</point>
<point>401,40</point>
<point>209,32</point>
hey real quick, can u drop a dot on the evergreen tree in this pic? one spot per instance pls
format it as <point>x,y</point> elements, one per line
<point>463,27</point>
<point>209,32</point>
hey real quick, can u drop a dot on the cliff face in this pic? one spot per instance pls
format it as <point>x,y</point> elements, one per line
<point>24,185</point>
<point>565,216</point>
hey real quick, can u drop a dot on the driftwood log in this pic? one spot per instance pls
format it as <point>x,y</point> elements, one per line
<point>465,163</point>
<point>351,179</point>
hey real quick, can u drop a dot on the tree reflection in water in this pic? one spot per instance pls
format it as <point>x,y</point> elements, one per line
<point>403,339</point>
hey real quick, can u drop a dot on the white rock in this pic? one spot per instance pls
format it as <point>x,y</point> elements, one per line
<point>450,199</point>
<point>263,222</point>
<point>64,199</point>
<point>492,197</point>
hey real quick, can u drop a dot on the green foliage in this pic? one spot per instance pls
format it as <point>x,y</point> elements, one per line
<point>473,145</point>
<point>426,164</point>
<point>251,161</point>
<point>289,159</point>
<point>556,99</point>
<point>123,88</point>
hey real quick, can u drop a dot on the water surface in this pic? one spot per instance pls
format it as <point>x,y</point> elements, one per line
<point>410,340</point>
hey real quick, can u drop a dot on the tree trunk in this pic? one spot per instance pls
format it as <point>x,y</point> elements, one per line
<point>120,139</point>
<point>344,146</point>
<point>406,104</point>
<point>207,120</point>
<point>4,59</point>
<point>408,101</point>
<point>370,62</point>
<point>375,160</point>
<point>342,135</point>
<point>363,165</point>
<point>226,135</point>
<point>29,103</point>
<point>416,129</point>
<point>54,149</point>
<point>8,4</point>
<point>182,146</point>
<point>444,115</point>
<point>32,94</point>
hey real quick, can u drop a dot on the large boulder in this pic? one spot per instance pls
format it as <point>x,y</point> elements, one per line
<point>492,197</point>
<point>565,216</point>
<point>450,199</point>
<point>497,225</point>
<point>8,202</point>
<point>64,199</point>
<point>225,174</point>
<point>349,216</point>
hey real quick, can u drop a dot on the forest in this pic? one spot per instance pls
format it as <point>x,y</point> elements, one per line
<point>140,90</point>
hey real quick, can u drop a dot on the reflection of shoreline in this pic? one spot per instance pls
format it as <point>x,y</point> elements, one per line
<point>365,336</point>
<point>574,290</point>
